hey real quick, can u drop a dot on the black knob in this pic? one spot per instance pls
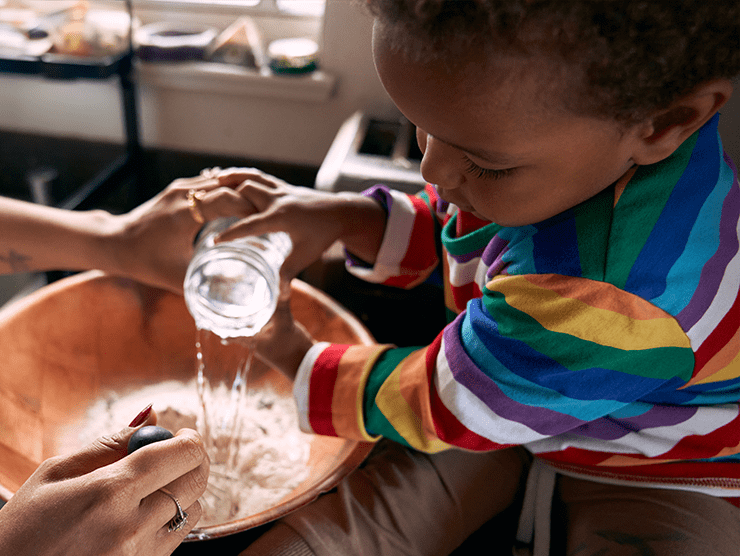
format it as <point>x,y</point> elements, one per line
<point>147,435</point>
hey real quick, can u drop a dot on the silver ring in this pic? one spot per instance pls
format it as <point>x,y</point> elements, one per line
<point>181,517</point>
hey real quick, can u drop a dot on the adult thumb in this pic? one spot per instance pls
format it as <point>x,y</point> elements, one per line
<point>101,452</point>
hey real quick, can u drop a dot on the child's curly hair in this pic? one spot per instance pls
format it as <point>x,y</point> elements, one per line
<point>638,56</point>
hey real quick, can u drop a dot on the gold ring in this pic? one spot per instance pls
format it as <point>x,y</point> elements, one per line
<point>195,196</point>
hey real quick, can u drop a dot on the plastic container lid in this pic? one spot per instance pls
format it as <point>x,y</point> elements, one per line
<point>293,56</point>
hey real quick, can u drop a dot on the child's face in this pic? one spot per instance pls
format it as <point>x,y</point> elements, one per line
<point>498,143</point>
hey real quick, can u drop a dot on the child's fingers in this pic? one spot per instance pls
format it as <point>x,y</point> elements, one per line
<point>261,194</point>
<point>257,224</point>
<point>224,201</point>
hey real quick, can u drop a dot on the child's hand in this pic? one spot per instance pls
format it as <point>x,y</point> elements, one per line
<point>283,342</point>
<point>314,219</point>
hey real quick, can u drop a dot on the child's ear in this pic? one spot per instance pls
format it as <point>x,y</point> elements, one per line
<point>663,133</point>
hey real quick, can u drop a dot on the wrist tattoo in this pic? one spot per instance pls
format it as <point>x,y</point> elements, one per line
<point>16,261</point>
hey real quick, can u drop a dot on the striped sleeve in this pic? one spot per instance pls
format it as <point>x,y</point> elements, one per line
<point>331,377</point>
<point>408,252</point>
<point>581,351</point>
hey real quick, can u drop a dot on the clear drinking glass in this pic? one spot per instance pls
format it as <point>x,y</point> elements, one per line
<point>231,289</point>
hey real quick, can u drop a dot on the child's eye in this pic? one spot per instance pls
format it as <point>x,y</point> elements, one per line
<point>485,173</point>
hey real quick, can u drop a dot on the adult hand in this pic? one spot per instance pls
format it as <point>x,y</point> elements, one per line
<point>99,501</point>
<point>154,242</point>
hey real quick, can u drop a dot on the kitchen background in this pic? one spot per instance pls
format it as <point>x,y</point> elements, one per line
<point>58,134</point>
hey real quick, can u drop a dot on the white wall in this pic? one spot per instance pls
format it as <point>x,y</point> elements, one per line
<point>231,120</point>
<point>202,114</point>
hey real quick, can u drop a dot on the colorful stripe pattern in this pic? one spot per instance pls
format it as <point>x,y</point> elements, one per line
<point>606,338</point>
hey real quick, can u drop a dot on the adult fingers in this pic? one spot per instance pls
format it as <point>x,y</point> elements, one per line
<point>171,508</point>
<point>161,531</point>
<point>168,539</point>
<point>133,487</point>
<point>187,489</point>
<point>101,452</point>
<point>198,182</point>
<point>156,465</point>
<point>165,509</point>
<point>233,177</point>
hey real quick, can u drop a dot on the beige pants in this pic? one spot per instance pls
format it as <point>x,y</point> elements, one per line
<point>403,502</point>
<point>597,519</point>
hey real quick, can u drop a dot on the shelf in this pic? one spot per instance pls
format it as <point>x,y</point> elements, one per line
<point>211,77</point>
<point>55,66</point>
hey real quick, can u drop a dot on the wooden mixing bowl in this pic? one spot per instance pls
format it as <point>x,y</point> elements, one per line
<point>70,343</point>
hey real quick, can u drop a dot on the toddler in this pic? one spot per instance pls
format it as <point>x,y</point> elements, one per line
<point>585,220</point>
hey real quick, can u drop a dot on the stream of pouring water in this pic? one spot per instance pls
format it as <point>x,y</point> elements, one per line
<point>219,422</point>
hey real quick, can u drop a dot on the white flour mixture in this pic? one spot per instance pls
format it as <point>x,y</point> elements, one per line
<point>272,452</point>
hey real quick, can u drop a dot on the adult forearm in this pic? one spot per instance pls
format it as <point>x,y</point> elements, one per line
<point>36,238</point>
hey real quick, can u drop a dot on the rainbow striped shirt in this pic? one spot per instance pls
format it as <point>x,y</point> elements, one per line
<point>606,339</point>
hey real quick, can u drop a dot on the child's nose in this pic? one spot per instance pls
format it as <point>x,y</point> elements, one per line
<point>440,164</point>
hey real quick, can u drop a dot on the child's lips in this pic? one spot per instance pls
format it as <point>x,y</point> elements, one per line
<point>446,197</point>
<point>459,203</point>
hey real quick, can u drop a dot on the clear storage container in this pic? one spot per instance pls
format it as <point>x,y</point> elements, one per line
<point>231,288</point>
